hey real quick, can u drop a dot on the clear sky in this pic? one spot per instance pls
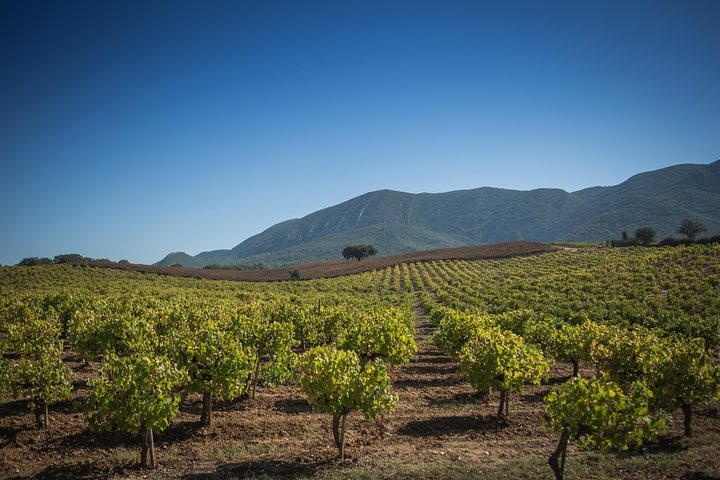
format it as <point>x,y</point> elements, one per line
<point>130,129</point>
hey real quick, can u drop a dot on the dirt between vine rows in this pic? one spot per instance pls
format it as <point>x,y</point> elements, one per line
<point>440,423</point>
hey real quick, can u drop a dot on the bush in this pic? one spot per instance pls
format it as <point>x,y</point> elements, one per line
<point>645,235</point>
<point>359,252</point>
<point>34,261</point>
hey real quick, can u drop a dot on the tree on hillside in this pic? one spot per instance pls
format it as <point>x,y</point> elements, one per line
<point>625,241</point>
<point>71,258</point>
<point>645,235</point>
<point>359,251</point>
<point>34,261</point>
<point>691,228</point>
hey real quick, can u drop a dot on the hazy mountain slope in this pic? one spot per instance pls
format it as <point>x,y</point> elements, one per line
<point>399,222</point>
<point>659,199</point>
<point>483,215</point>
<point>388,239</point>
<point>181,258</point>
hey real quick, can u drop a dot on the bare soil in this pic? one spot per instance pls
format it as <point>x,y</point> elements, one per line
<point>441,428</point>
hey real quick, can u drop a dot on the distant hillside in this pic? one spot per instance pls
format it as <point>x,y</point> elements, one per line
<point>397,222</point>
<point>182,258</point>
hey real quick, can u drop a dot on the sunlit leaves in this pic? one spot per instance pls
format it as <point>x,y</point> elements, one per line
<point>455,329</point>
<point>135,392</point>
<point>37,373</point>
<point>501,361</point>
<point>599,413</point>
<point>380,333</point>
<point>338,382</point>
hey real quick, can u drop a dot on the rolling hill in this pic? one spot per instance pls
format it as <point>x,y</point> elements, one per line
<point>398,222</point>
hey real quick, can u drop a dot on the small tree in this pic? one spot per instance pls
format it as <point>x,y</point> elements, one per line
<point>598,413</point>
<point>41,377</point>
<point>348,252</point>
<point>269,331</point>
<point>294,274</point>
<point>217,363</point>
<point>70,258</point>
<point>380,334</point>
<point>369,251</point>
<point>359,252</point>
<point>627,356</point>
<point>455,329</point>
<point>691,228</point>
<point>34,261</point>
<point>38,374</point>
<point>337,382</point>
<point>645,235</point>
<point>495,360</point>
<point>571,344</point>
<point>139,393</point>
<point>682,377</point>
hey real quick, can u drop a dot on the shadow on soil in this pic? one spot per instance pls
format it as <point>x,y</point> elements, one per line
<point>698,476</point>
<point>66,407</point>
<point>533,397</point>
<point>14,407</point>
<point>710,413</point>
<point>261,469</point>
<point>178,432</point>
<point>193,406</point>
<point>80,471</point>
<point>557,380</point>
<point>666,445</point>
<point>436,369</point>
<point>293,405</point>
<point>8,436</point>
<point>461,399</point>
<point>432,358</point>
<point>89,439</point>
<point>438,426</point>
<point>427,382</point>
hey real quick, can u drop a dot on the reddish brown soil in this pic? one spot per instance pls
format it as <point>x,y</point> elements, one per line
<point>439,421</point>
<point>346,267</point>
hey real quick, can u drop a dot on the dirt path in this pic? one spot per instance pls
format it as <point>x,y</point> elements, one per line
<point>440,419</point>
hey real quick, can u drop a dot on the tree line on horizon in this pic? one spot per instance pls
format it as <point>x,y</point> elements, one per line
<point>65,258</point>
<point>645,236</point>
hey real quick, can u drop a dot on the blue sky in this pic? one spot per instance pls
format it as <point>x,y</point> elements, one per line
<point>133,129</point>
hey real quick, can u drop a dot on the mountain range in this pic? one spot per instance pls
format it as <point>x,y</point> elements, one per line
<point>397,222</point>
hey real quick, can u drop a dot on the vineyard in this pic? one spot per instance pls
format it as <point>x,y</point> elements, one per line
<point>576,363</point>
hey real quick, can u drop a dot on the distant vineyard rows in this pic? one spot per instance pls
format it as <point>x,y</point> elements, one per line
<point>648,321</point>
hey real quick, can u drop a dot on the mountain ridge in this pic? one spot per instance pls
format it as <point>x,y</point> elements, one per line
<point>399,222</point>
